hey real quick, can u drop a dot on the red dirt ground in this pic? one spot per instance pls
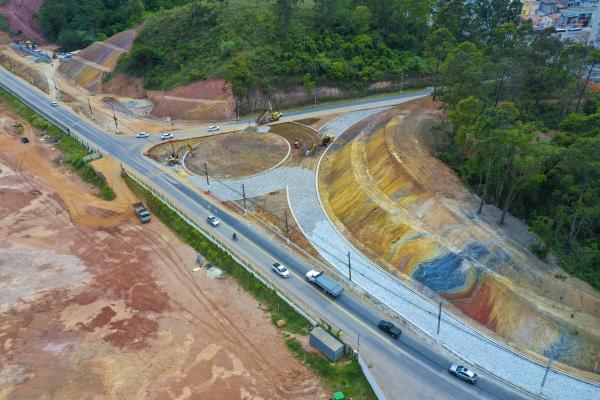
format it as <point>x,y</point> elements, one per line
<point>210,100</point>
<point>19,14</point>
<point>115,312</point>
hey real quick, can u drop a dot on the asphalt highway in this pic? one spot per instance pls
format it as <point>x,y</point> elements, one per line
<point>411,367</point>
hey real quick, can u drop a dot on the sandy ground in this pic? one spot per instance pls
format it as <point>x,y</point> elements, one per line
<point>114,311</point>
<point>81,100</point>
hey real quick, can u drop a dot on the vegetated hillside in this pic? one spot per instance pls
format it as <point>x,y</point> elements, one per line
<point>527,132</point>
<point>75,24</point>
<point>269,45</point>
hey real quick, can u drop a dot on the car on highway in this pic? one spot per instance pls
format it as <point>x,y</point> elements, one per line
<point>213,220</point>
<point>389,328</point>
<point>213,128</point>
<point>54,103</point>
<point>164,136</point>
<point>463,373</point>
<point>142,134</point>
<point>281,270</point>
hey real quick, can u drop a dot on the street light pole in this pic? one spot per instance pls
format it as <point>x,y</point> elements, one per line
<point>349,268</point>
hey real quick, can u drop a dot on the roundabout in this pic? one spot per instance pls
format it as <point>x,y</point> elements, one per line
<point>237,155</point>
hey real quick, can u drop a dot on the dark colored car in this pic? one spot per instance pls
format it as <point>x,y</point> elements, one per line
<point>24,140</point>
<point>389,328</point>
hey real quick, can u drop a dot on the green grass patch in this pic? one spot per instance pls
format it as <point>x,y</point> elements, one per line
<point>344,375</point>
<point>73,151</point>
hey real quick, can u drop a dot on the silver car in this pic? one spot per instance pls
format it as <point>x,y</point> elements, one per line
<point>281,270</point>
<point>213,220</point>
<point>463,373</point>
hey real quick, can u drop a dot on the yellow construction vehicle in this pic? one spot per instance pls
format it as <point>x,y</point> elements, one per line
<point>326,140</point>
<point>175,157</point>
<point>267,117</point>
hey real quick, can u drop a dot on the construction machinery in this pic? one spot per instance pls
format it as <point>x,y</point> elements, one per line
<point>175,157</point>
<point>267,117</point>
<point>326,140</point>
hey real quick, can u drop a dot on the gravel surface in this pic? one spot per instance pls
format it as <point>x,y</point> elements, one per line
<point>332,246</point>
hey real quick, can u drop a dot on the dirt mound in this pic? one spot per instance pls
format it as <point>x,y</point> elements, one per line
<point>423,224</point>
<point>90,65</point>
<point>19,14</point>
<point>210,100</point>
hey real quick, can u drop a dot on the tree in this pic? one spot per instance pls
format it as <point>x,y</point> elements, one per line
<point>310,87</point>
<point>592,59</point>
<point>437,46</point>
<point>284,10</point>
<point>462,73</point>
<point>578,183</point>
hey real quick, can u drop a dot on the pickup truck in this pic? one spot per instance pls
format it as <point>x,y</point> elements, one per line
<point>326,284</point>
<point>142,212</point>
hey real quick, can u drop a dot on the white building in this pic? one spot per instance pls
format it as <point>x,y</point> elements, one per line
<point>594,39</point>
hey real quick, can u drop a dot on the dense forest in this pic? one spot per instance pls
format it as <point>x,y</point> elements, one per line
<point>526,131</point>
<point>75,24</point>
<point>525,128</point>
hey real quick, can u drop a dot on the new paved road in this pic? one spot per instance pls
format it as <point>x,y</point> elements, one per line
<point>408,368</point>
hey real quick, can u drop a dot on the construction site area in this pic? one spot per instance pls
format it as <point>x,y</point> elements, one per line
<point>94,306</point>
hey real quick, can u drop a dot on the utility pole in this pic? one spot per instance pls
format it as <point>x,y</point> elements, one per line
<point>287,228</point>
<point>548,367</point>
<point>401,81</point>
<point>244,196</point>
<point>90,105</point>
<point>439,318</point>
<point>206,170</point>
<point>237,102</point>
<point>171,116</point>
<point>358,347</point>
<point>12,69</point>
<point>349,268</point>
<point>115,117</point>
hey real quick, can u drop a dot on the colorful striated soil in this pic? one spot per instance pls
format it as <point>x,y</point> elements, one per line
<point>409,212</point>
<point>90,65</point>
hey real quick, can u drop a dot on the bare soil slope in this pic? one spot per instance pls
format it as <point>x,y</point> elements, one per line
<point>210,100</point>
<point>115,312</point>
<point>19,14</point>
<point>409,212</point>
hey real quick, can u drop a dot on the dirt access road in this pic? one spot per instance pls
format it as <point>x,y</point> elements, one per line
<point>113,310</point>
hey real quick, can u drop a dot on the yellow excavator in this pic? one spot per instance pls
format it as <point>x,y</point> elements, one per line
<point>175,157</point>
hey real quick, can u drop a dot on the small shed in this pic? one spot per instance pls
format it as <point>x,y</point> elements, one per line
<point>328,345</point>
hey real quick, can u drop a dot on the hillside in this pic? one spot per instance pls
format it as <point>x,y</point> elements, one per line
<point>18,15</point>
<point>262,46</point>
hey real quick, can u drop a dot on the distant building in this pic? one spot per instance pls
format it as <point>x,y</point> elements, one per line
<point>594,38</point>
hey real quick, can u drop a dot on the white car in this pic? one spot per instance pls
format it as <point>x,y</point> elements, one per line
<point>281,270</point>
<point>54,103</point>
<point>164,136</point>
<point>213,128</point>
<point>143,134</point>
<point>213,220</point>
